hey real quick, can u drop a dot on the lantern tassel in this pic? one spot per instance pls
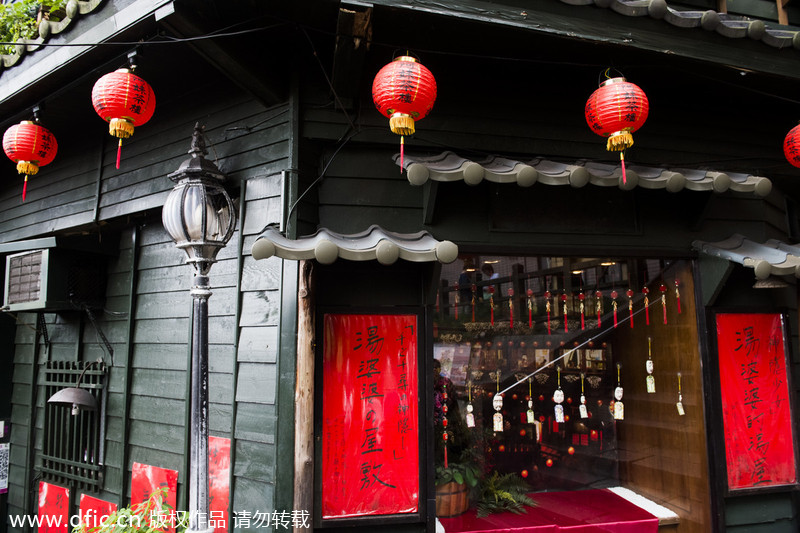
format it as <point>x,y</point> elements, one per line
<point>402,145</point>
<point>119,152</point>
<point>25,187</point>
<point>622,163</point>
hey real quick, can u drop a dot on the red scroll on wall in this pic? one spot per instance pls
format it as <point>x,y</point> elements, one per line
<point>759,447</point>
<point>370,434</point>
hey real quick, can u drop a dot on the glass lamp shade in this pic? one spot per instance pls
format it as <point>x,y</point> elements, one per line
<point>199,215</point>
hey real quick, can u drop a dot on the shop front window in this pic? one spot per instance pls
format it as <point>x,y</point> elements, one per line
<point>556,375</point>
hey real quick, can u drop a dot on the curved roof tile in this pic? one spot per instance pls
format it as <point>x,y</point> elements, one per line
<point>374,243</point>
<point>449,166</point>
<point>772,258</point>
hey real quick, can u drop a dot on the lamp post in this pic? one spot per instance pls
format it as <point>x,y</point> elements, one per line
<point>200,216</point>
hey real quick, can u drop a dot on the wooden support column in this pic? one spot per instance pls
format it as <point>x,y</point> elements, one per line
<point>783,17</point>
<point>304,395</point>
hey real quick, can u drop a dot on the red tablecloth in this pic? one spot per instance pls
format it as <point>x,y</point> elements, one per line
<point>580,511</point>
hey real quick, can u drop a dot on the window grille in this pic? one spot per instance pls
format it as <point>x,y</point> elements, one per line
<point>73,444</point>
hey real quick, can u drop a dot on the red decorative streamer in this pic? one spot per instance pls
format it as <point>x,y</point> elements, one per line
<point>614,295</point>
<point>530,309</point>
<point>566,322</point>
<point>629,292</point>
<point>646,291</point>
<point>491,303</point>
<point>599,304</point>
<point>456,293</point>
<point>663,289</point>
<point>581,298</point>
<point>678,295</point>
<point>474,292</point>
<point>547,307</point>
<point>511,308</point>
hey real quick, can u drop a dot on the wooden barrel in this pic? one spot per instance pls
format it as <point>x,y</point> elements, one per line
<point>452,499</point>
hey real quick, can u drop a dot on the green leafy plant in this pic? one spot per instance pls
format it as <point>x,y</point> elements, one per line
<point>149,516</point>
<point>20,20</point>
<point>503,492</point>
<point>462,473</point>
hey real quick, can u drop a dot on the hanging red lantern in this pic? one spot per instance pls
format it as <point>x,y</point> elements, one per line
<point>791,146</point>
<point>404,90</point>
<point>615,110</point>
<point>124,100</point>
<point>30,146</point>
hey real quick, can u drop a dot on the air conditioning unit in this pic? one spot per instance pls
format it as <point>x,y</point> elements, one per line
<point>53,279</point>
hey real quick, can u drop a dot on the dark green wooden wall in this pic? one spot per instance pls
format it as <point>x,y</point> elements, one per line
<point>147,315</point>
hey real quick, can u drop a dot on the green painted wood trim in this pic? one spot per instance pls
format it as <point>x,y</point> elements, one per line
<point>237,316</point>
<point>30,446</point>
<point>126,407</point>
<point>287,327</point>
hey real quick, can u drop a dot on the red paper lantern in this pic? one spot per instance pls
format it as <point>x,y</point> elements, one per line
<point>404,90</point>
<point>30,146</point>
<point>124,100</point>
<point>791,146</point>
<point>615,110</point>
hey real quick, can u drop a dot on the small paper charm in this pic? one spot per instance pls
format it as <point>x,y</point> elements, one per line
<point>614,295</point>
<point>651,380</point>
<point>497,419</point>
<point>646,292</point>
<point>663,289</point>
<point>679,405</point>
<point>598,305</point>
<point>559,413</point>
<point>619,408</point>
<point>629,293</point>
<point>558,398</point>
<point>547,296</point>
<point>582,407</point>
<point>529,413</point>
<point>511,308</point>
<point>470,416</point>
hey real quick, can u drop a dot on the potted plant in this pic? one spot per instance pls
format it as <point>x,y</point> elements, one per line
<point>453,486</point>
<point>503,492</point>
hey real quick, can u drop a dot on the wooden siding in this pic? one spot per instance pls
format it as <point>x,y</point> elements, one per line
<point>147,316</point>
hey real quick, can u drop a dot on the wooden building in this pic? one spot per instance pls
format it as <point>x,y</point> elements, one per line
<point>333,227</point>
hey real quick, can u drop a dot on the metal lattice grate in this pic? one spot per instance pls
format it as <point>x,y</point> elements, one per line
<point>72,448</point>
<point>25,277</point>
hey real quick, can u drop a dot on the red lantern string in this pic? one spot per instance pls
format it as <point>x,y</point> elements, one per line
<point>663,289</point>
<point>547,307</point>
<point>511,308</point>
<point>474,298</point>
<point>564,302</point>
<point>456,294</point>
<point>444,420</point>
<point>629,292</point>
<point>30,146</point>
<point>491,303</point>
<point>615,110</point>
<point>125,101</point>
<point>404,91</point>
<point>599,304</point>
<point>530,309</point>
<point>646,291</point>
<point>614,295</point>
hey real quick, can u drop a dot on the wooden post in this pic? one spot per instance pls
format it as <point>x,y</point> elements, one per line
<point>304,397</point>
<point>783,17</point>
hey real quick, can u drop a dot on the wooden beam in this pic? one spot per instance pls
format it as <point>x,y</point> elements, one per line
<point>304,394</point>
<point>783,17</point>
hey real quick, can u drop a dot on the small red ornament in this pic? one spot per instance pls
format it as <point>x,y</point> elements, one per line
<point>791,146</point>
<point>124,100</point>
<point>524,473</point>
<point>571,450</point>
<point>615,110</point>
<point>404,90</point>
<point>30,146</point>
<point>549,462</point>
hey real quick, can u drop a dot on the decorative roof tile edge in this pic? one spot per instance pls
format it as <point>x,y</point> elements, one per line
<point>449,166</point>
<point>772,258</point>
<point>731,26</point>
<point>374,243</point>
<point>74,8</point>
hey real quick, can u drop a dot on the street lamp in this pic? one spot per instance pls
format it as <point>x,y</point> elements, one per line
<point>200,217</point>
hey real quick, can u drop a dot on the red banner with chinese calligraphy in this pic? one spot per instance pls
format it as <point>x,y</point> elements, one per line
<point>219,471</point>
<point>759,447</point>
<point>53,508</point>
<point>370,434</point>
<point>146,479</point>
<point>94,511</point>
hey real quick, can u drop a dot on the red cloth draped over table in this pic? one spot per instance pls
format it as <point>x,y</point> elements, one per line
<point>580,511</point>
